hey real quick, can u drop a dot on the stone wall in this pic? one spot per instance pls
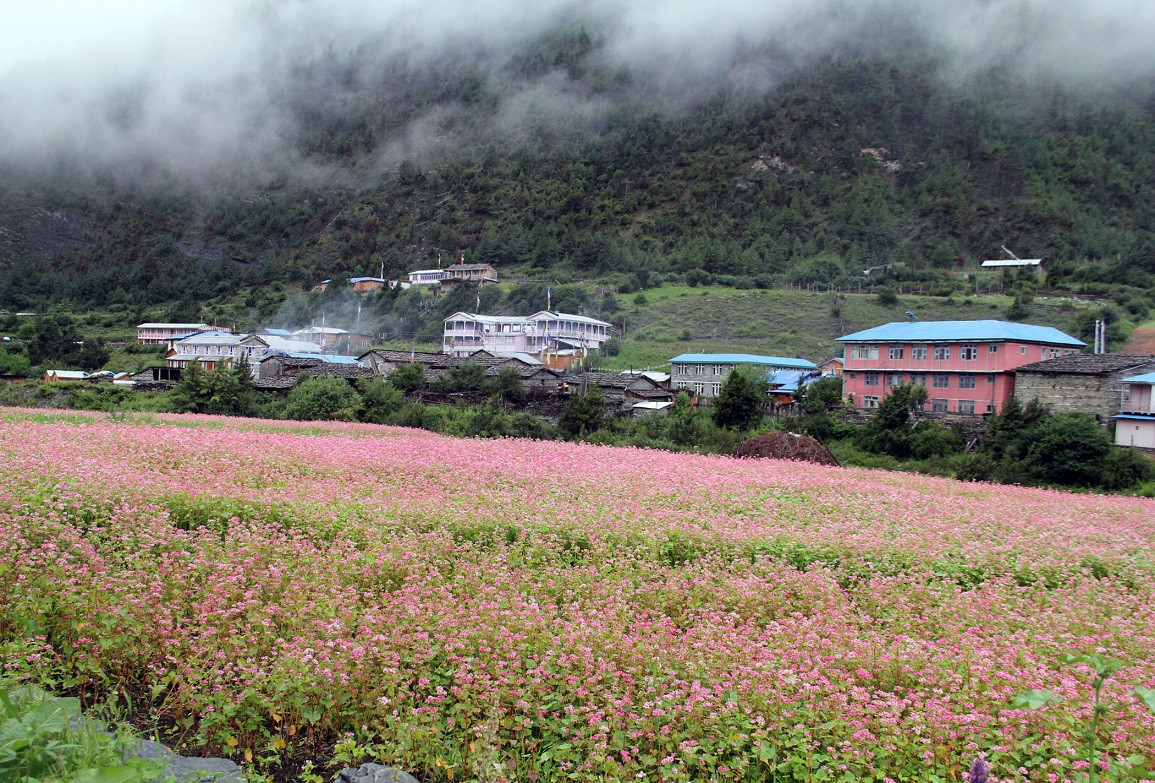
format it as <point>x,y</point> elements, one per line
<point>1067,392</point>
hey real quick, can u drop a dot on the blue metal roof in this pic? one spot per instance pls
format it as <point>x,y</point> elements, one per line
<point>788,381</point>
<point>363,279</point>
<point>743,358</point>
<point>954,331</point>
<point>1148,377</point>
<point>1134,416</point>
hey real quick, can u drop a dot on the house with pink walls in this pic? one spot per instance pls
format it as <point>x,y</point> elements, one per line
<point>967,367</point>
<point>1135,424</point>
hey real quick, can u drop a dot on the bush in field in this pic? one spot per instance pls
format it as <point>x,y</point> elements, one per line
<point>408,378</point>
<point>322,398</point>
<point>380,402</point>
<point>14,363</point>
<point>739,404</point>
<point>1026,444</point>
<point>225,391</point>
<point>889,430</point>
<point>583,415</point>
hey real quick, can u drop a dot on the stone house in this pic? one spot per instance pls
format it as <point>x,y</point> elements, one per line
<point>620,390</point>
<point>1088,383</point>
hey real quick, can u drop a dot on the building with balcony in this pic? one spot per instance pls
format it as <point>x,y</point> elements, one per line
<point>210,349</point>
<point>704,373</point>
<point>159,334</point>
<point>967,367</point>
<point>1135,424</point>
<point>540,333</point>
<point>481,274</point>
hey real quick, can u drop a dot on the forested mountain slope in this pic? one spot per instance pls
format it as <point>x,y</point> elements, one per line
<point>868,156</point>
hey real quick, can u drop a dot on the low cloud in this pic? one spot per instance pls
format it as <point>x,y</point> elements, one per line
<point>205,93</point>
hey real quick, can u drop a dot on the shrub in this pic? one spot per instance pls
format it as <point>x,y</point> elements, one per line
<point>322,398</point>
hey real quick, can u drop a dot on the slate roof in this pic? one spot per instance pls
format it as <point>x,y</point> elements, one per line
<point>743,358</point>
<point>956,331</point>
<point>419,357</point>
<point>1088,364</point>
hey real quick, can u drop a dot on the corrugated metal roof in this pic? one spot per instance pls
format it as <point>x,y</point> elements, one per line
<point>955,331</point>
<point>1134,416</point>
<point>519,356</point>
<point>744,358</point>
<point>1012,262</point>
<point>1147,377</point>
<point>190,327</point>
<point>366,280</point>
<point>209,338</point>
<point>547,315</point>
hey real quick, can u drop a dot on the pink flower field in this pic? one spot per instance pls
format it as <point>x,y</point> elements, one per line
<point>516,610</point>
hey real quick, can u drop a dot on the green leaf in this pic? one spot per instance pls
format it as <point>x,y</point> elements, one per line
<point>1033,700</point>
<point>120,774</point>
<point>1147,695</point>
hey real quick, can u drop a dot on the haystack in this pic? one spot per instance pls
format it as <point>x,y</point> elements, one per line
<point>787,445</point>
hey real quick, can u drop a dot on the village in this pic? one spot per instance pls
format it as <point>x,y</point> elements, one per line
<point>970,369</point>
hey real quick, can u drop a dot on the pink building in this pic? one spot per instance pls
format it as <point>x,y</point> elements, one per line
<point>159,334</point>
<point>967,367</point>
<point>1135,424</point>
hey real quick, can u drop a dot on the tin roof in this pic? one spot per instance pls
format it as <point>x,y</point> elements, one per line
<point>955,331</point>
<point>744,358</point>
<point>1147,377</point>
<point>189,327</point>
<point>549,315</point>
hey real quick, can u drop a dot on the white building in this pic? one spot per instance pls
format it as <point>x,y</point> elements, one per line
<point>466,333</point>
<point>210,349</point>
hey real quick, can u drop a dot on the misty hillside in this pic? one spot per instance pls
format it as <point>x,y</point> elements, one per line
<point>553,156</point>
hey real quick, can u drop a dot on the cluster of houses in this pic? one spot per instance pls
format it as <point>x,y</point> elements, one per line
<point>443,279</point>
<point>969,368</point>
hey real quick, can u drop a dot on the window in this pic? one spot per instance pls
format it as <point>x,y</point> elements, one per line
<point>894,379</point>
<point>918,352</point>
<point>967,381</point>
<point>966,406</point>
<point>869,402</point>
<point>715,389</point>
<point>918,379</point>
<point>1054,353</point>
<point>939,405</point>
<point>864,352</point>
<point>871,378</point>
<point>895,352</point>
<point>990,408</point>
<point>940,381</point>
<point>992,349</point>
<point>699,389</point>
<point>968,352</point>
<point>990,379</point>
<point>941,352</point>
<point>854,376</point>
<point>1023,350</point>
